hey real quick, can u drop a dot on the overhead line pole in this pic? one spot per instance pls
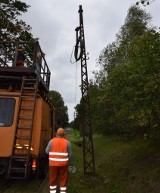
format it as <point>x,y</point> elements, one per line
<point>88,151</point>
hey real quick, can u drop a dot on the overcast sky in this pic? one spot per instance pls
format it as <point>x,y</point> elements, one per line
<point>54,23</point>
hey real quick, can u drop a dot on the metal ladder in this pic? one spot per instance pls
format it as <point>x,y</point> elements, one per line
<point>20,158</point>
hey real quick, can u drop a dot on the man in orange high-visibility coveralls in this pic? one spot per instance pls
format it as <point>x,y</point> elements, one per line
<point>60,160</point>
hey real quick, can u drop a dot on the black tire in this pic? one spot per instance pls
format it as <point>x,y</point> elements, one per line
<point>43,168</point>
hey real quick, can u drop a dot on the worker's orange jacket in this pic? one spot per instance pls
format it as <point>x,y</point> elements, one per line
<point>58,155</point>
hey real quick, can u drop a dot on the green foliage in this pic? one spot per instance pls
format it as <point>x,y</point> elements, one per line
<point>11,26</point>
<point>77,124</point>
<point>116,53</point>
<point>136,23</point>
<point>125,93</point>
<point>61,111</point>
<point>131,89</point>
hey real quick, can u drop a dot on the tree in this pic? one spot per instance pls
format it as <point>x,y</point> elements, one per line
<point>107,60</point>
<point>130,66</point>
<point>137,23</point>
<point>78,117</point>
<point>61,111</point>
<point>11,27</point>
<point>95,113</point>
<point>133,87</point>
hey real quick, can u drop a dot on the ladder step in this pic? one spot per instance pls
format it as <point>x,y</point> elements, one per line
<point>27,97</point>
<point>23,126</point>
<point>26,81</point>
<point>29,84</point>
<point>16,177</point>
<point>17,170</point>
<point>27,93</point>
<point>23,148</point>
<point>23,158</point>
<point>22,135</point>
<point>18,163</point>
<point>30,79</point>
<point>28,88</point>
<point>26,108</point>
<point>26,128</point>
<point>25,117</point>
<point>22,138</point>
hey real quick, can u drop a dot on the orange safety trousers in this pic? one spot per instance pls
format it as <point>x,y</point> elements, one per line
<point>58,173</point>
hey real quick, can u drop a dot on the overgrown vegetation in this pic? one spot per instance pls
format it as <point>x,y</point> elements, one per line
<point>121,167</point>
<point>125,91</point>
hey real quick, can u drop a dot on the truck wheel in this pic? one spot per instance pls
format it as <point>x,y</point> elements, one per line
<point>43,168</point>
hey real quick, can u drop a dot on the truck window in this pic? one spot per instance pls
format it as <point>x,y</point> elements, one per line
<point>7,106</point>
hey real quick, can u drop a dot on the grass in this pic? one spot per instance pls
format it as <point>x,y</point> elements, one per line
<point>121,167</point>
<point>128,167</point>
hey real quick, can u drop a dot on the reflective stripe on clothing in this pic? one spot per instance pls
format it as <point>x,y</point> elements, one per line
<point>69,148</point>
<point>63,189</point>
<point>58,155</point>
<point>61,173</point>
<point>60,160</point>
<point>53,189</point>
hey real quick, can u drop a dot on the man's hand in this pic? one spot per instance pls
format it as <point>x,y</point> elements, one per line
<point>72,169</point>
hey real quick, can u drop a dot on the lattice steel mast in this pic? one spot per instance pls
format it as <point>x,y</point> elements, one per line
<point>80,54</point>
